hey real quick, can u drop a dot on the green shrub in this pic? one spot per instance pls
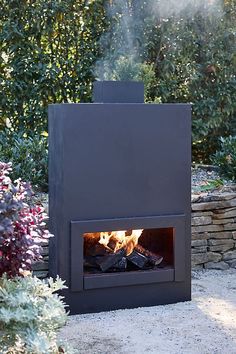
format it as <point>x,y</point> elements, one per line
<point>29,156</point>
<point>225,158</point>
<point>192,53</point>
<point>126,69</point>
<point>47,52</point>
<point>30,315</point>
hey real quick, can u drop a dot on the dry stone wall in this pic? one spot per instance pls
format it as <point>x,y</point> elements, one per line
<point>41,267</point>
<point>213,233</point>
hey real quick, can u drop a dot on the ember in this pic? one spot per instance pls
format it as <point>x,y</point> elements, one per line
<point>117,251</point>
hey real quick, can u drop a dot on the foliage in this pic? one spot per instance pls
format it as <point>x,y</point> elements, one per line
<point>208,185</point>
<point>30,311</point>
<point>212,184</point>
<point>29,156</point>
<point>225,158</point>
<point>30,315</point>
<point>126,69</point>
<point>47,52</point>
<point>192,52</point>
<point>22,226</point>
<point>197,64</point>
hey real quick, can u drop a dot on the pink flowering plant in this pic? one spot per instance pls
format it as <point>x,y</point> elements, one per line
<point>31,310</point>
<point>22,226</point>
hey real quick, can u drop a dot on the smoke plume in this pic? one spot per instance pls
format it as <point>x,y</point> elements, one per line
<point>123,45</point>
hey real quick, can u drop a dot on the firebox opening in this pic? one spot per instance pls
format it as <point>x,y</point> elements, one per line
<point>128,250</point>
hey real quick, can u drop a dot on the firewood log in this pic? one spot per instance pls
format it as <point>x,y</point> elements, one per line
<point>110,260</point>
<point>152,257</point>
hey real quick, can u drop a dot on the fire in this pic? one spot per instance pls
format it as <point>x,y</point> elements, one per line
<point>118,251</point>
<point>115,240</point>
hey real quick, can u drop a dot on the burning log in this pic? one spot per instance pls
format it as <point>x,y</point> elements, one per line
<point>92,261</point>
<point>95,262</point>
<point>113,251</point>
<point>111,260</point>
<point>92,246</point>
<point>153,258</point>
<point>122,264</point>
<point>138,259</point>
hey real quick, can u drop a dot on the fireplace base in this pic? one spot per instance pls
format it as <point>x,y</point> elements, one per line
<point>97,300</point>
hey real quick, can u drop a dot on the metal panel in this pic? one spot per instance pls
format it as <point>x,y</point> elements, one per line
<point>118,161</point>
<point>121,297</point>
<point>118,92</point>
<point>180,250</point>
<point>77,260</point>
<point>129,278</point>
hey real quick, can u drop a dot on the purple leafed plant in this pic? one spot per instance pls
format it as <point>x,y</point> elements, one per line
<point>22,226</point>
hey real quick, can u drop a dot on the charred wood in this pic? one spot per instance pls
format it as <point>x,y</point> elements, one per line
<point>92,262</point>
<point>138,259</point>
<point>111,260</point>
<point>153,258</point>
<point>122,264</point>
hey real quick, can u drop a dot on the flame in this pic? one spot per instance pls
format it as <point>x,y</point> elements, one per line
<point>115,240</point>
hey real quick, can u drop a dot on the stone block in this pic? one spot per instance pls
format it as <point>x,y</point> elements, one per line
<point>41,274</point>
<point>40,266</point>
<point>200,236</point>
<point>207,228</point>
<point>213,197</point>
<point>45,243</point>
<point>199,258</point>
<point>224,234</point>
<point>197,267</point>
<point>214,257</point>
<point>220,248</point>
<point>214,205</point>
<point>216,265</point>
<point>214,228</point>
<point>232,263</point>
<point>229,226</point>
<point>234,235</point>
<point>202,213</point>
<point>212,242</point>
<point>196,243</point>
<point>201,220</point>
<point>229,255</point>
<point>200,249</point>
<point>44,251</point>
<point>222,221</point>
<point>225,213</point>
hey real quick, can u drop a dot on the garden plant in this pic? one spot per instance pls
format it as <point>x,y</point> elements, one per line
<point>51,53</point>
<point>31,312</point>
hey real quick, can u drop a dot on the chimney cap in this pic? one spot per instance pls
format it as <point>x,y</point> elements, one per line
<point>118,92</point>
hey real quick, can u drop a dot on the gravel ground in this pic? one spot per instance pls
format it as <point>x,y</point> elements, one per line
<point>207,180</point>
<point>206,325</point>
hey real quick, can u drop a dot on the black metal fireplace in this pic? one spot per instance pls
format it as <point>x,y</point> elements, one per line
<point>119,189</point>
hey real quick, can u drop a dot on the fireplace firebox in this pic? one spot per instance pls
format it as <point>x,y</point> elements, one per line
<point>119,199</point>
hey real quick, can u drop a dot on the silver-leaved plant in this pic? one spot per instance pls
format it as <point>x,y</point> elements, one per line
<point>31,313</point>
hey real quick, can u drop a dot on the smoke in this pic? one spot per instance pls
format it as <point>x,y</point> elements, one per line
<point>120,46</point>
<point>124,44</point>
<point>186,8</point>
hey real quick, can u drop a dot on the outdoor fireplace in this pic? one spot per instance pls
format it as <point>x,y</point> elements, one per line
<point>119,189</point>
